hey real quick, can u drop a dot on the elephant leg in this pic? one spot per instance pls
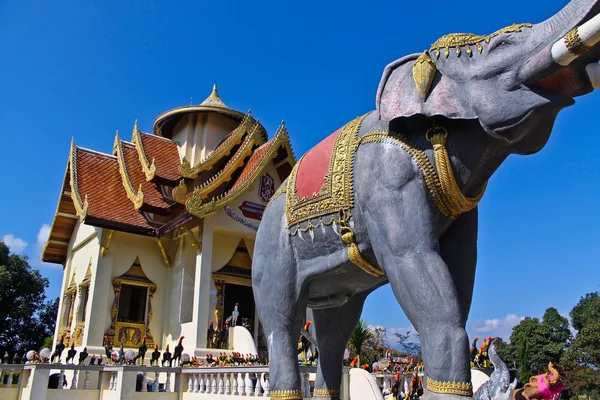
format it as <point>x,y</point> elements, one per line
<point>404,235</point>
<point>281,305</point>
<point>458,247</point>
<point>333,328</point>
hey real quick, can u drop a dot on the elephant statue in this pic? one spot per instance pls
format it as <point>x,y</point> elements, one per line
<point>392,196</point>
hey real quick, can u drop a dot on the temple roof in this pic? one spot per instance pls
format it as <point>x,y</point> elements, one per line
<point>143,188</point>
<point>164,123</point>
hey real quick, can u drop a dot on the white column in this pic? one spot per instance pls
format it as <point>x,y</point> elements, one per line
<point>202,283</point>
<point>101,295</point>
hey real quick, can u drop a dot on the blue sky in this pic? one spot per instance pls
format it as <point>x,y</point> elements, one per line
<point>84,69</point>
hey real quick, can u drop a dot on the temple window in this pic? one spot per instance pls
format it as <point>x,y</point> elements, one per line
<point>132,308</point>
<point>132,304</point>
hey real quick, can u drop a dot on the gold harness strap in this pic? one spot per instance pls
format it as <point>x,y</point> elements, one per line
<point>442,185</point>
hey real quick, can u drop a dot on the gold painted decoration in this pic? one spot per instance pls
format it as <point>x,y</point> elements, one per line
<point>424,71</point>
<point>295,394</point>
<point>195,243</point>
<point>163,252</point>
<point>336,196</point>
<point>180,193</point>
<point>137,198</point>
<point>213,99</point>
<point>248,124</point>
<point>326,393</point>
<point>458,388</point>
<point>197,207</point>
<point>104,248</point>
<point>457,41</point>
<point>575,44</point>
<point>136,138</point>
<point>336,193</point>
<point>81,207</point>
<point>457,202</point>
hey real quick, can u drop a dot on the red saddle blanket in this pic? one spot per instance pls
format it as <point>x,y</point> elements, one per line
<point>314,167</point>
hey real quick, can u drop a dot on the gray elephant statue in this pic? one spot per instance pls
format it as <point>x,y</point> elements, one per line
<point>392,196</point>
<point>499,386</point>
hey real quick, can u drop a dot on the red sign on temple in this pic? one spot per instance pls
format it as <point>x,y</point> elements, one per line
<point>252,210</point>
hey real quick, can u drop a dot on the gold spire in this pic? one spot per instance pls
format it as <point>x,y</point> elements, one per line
<point>73,284</point>
<point>214,100</point>
<point>88,272</point>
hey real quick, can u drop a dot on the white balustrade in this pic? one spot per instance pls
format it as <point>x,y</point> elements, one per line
<point>86,380</point>
<point>191,383</point>
<point>241,384</point>
<point>227,384</point>
<point>61,379</point>
<point>257,389</point>
<point>74,380</point>
<point>265,384</point>
<point>220,387</point>
<point>168,382</point>
<point>155,388</point>
<point>248,384</point>
<point>196,384</point>
<point>234,390</point>
<point>144,382</point>
<point>213,384</point>
<point>202,388</point>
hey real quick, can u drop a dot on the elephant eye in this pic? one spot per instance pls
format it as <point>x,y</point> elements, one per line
<point>501,42</point>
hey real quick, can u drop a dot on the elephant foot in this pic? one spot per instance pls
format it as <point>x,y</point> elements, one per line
<point>429,395</point>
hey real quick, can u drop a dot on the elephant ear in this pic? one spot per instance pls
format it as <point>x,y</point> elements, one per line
<point>401,95</point>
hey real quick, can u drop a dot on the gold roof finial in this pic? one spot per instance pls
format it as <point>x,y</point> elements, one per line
<point>214,100</point>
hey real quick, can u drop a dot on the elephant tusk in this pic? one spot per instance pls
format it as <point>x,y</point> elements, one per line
<point>577,42</point>
<point>593,71</point>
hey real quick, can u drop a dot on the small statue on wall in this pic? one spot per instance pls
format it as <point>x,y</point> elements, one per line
<point>234,315</point>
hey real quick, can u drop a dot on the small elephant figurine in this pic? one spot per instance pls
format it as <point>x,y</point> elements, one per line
<point>391,197</point>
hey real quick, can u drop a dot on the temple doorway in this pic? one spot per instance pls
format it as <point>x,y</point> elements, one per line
<point>245,298</point>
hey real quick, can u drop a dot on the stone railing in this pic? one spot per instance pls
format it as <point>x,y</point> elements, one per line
<point>106,382</point>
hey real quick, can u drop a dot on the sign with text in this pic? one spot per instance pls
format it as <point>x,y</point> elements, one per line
<point>252,210</point>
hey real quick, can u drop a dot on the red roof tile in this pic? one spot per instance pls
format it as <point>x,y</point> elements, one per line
<point>165,155</point>
<point>98,177</point>
<point>136,175</point>
<point>253,163</point>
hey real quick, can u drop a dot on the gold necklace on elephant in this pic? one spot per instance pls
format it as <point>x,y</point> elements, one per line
<point>336,196</point>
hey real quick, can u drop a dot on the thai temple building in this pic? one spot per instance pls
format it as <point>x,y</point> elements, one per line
<point>156,238</point>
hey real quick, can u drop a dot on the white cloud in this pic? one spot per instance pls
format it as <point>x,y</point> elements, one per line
<point>42,235</point>
<point>496,327</point>
<point>15,244</point>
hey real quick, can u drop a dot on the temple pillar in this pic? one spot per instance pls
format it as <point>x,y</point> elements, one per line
<point>203,280</point>
<point>100,300</point>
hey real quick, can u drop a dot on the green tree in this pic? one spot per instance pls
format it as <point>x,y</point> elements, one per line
<point>534,343</point>
<point>361,333</point>
<point>581,363</point>
<point>27,318</point>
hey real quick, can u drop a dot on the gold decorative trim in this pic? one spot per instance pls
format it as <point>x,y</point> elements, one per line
<point>88,273</point>
<point>456,201</point>
<point>104,248</point>
<point>336,193</point>
<point>574,43</point>
<point>198,208</point>
<point>286,394</point>
<point>180,193</point>
<point>232,165</point>
<point>136,138</point>
<point>136,198</point>
<point>424,71</point>
<point>81,207</point>
<point>195,243</point>
<point>116,326</point>
<point>233,139</point>
<point>163,252</point>
<point>326,393</point>
<point>445,201</point>
<point>459,388</point>
<point>335,196</point>
<point>78,334</point>
<point>459,40</point>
